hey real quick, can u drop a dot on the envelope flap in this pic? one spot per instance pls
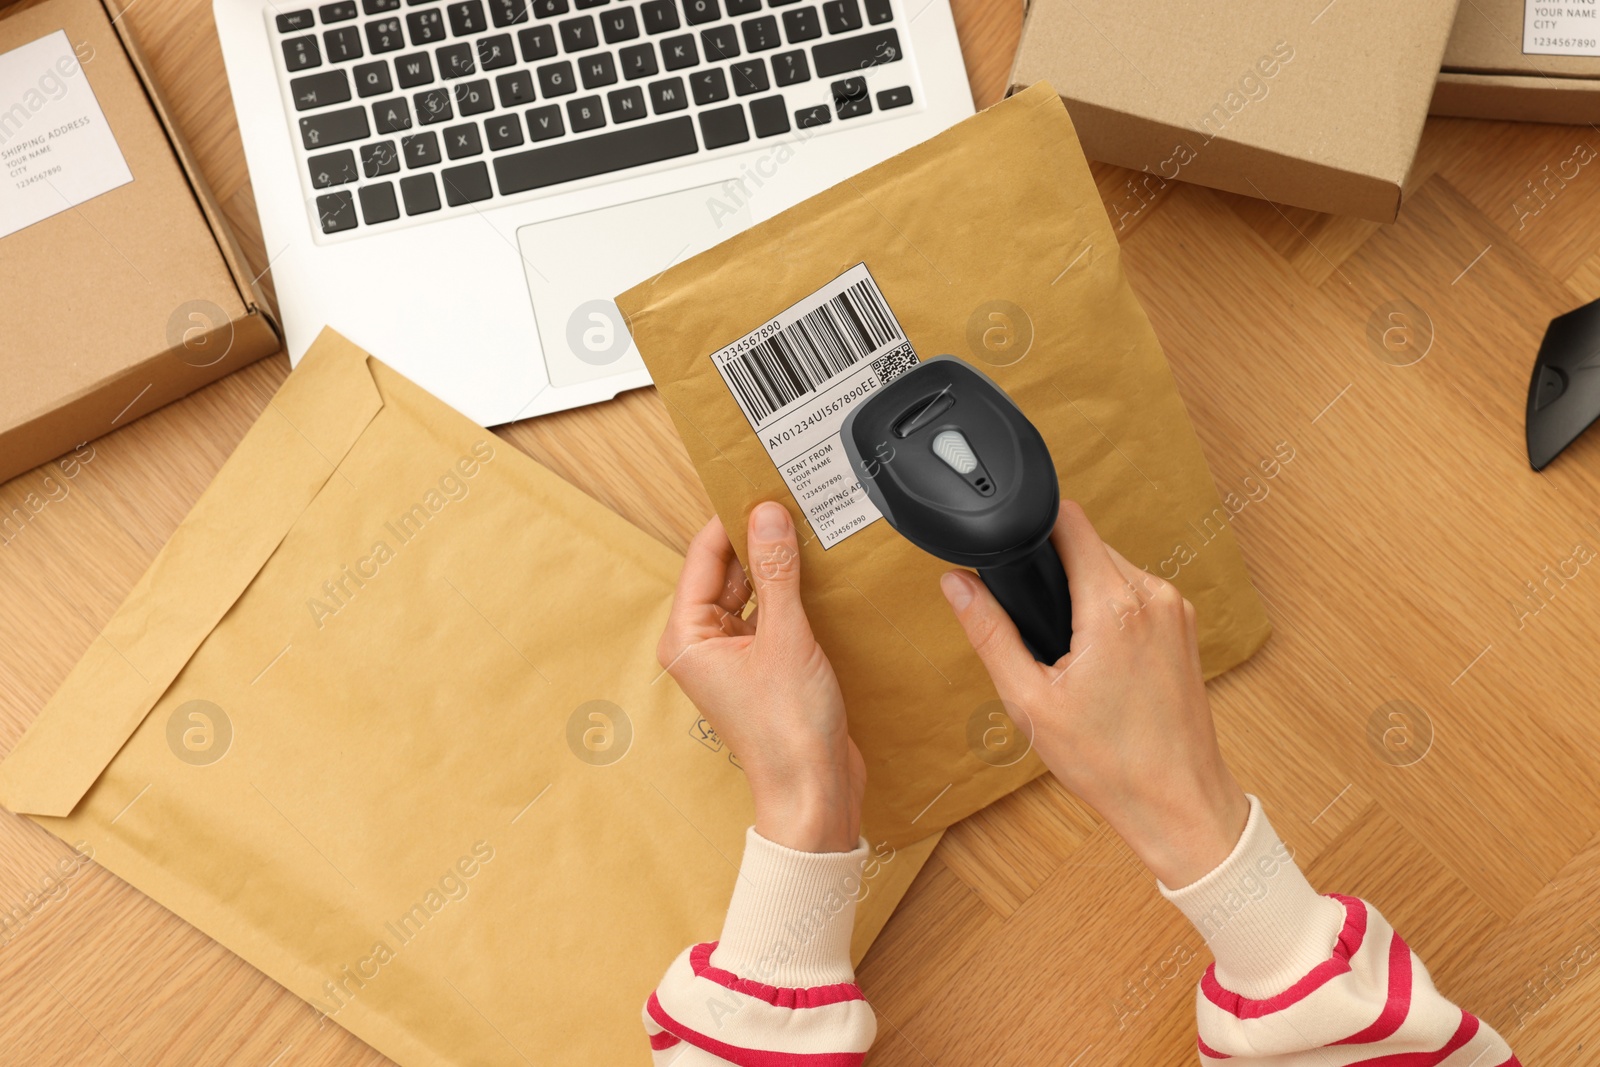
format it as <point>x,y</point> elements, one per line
<point>279,467</point>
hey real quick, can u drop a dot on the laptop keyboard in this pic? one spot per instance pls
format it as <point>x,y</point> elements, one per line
<point>408,108</point>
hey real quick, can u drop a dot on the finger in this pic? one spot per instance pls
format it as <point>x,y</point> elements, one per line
<point>700,587</point>
<point>1091,575</point>
<point>774,552</point>
<point>990,631</point>
<point>1144,584</point>
<point>736,588</point>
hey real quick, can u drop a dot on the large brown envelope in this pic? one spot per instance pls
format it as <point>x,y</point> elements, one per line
<point>360,722</point>
<point>988,241</point>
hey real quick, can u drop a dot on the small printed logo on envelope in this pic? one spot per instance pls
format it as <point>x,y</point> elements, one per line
<point>702,732</point>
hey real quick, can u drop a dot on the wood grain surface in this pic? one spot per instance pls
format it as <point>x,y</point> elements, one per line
<point>1424,725</point>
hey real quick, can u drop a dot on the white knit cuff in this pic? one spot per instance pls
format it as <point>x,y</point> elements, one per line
<point>1265,925</point>
<point>791,916</point>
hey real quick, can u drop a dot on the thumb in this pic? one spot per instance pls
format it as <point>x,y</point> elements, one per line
<point>993,635</point>
<point>774,553</point>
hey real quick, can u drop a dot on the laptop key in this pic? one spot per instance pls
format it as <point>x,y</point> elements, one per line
<point>619,25</point>
<point>515,88</point>
<point>760,34</point>
<point>668,95</point>
<point>372,78</point>
<point>544,123</point>
<point>586,114</point>
<point>769,116</point>
<point>555,79</point>
<point>808,117</point>
<point>578,34</point>
<point>879,12</point>
<point>419,193</point>
<point>708,86</point>
<point>638,60</point>
<point>463,141</point>
<point>342,11</point>
<point>378,203</point>
<point>385,36</point>
<point>379,158</point>
<point>319,90</point>
<point>466,18</point>
<point>334,127</point>
<point>421,149</point>
<point>724,126</point>
<point>505,13</point>
<point>790,68</point>
<point>802,24</point>
<point>659,15</point>
<point>679,52</point>
<point>343,44</point>
<point>581,4</point>
<point>699,12</point>
<point>537,42</point>
<point>466,185</point>
<point>333,168</point>
<point>619,149</point>
<point>627,105</point>
<point>391,116</point>
<point>892,98</point>
<point>856,53</point>
<point>433,105</point>
<point>296,20</point>
<point>741,7</point>
<point>426,26</point>
<point>720,42</point>
<point>502,131</point>
<point>850,98</point>
<point>378,7</point>
<point>549,9</point>
<point>455,60</point>
<point>597,70</point>
<point>749,77</point>
<point>496,52</point>
<point>301,53</point>
<point>474,98</point>
<point>413,70</point>
<point>337,211</point>
<point>842,16</point>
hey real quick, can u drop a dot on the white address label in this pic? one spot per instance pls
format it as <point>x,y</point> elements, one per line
<point>799,375</point>
<point>1570,28</point>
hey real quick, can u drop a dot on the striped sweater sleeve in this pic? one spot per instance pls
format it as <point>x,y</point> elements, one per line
<point>777,989</point>
<point>1302,980</point>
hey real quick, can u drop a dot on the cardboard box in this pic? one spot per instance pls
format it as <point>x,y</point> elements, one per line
<point>123,288</point>
<point>1519,60</point>
<point>1313,103</point>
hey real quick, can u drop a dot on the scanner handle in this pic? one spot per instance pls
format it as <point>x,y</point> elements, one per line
<point>1034,593</point>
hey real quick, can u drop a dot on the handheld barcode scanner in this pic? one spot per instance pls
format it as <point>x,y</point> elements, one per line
<point>960,472</point>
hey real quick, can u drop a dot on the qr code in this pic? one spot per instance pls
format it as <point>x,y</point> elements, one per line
<point>895,362</point>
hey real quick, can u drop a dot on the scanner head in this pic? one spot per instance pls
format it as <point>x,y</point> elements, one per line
<point>1564,395</point>
<point>954,465</point>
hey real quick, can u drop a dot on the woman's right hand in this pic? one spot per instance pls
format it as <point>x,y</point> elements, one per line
<point>1122,719</point>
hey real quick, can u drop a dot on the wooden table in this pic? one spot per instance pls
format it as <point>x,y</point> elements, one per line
<point>1425,723</point>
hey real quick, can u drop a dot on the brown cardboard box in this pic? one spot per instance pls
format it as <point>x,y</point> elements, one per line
<point>128,299</point>
<point>1487,75</point>
<point>1308,102</point>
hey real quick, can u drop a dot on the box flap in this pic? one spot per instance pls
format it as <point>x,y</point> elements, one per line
<point>285,459</point>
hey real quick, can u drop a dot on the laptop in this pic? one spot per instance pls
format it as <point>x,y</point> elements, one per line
<point>463,186</point>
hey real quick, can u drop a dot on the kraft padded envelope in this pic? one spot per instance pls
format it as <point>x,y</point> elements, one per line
<point>384,718</point>
<point>989,242</point>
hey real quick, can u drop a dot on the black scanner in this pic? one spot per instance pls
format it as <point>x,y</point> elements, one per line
<point>959,471</point>
<point>1564,396</point>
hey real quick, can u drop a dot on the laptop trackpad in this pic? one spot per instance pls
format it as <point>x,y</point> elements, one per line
<point>577,264</point>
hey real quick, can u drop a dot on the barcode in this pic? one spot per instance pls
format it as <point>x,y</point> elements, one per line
<point>797,359</point>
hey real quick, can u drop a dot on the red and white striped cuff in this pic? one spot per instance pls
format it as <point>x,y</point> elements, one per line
<point>1265,925</point>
